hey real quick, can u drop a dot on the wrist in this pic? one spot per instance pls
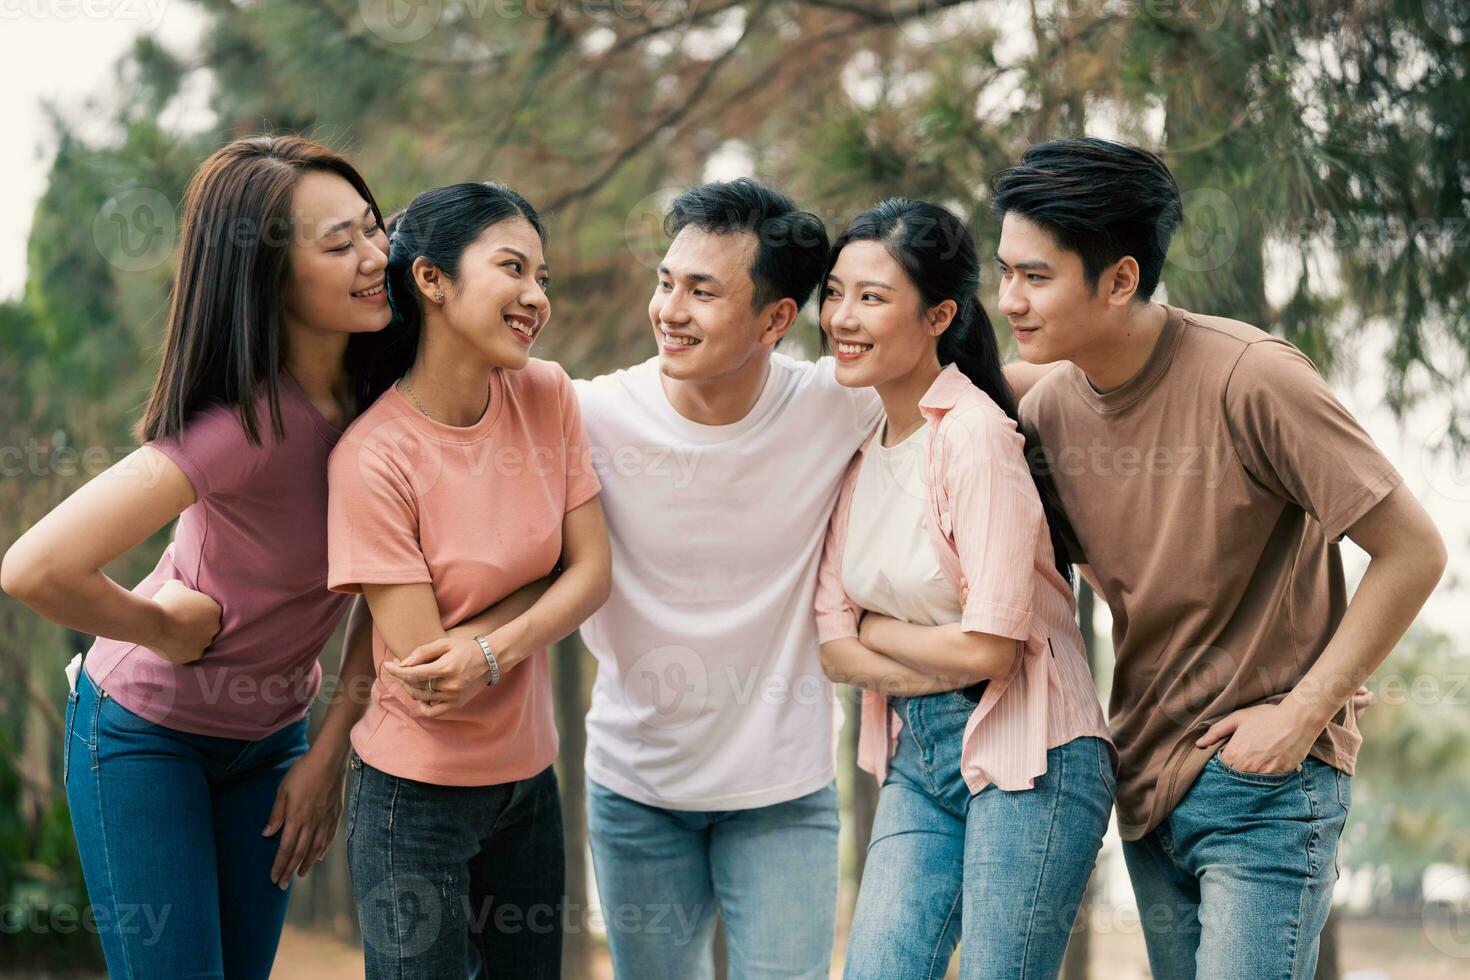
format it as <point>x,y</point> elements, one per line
<point>1309,714</point>
<point>506,644</point>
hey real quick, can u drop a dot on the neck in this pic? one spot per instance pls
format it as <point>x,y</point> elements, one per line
<point>901,396</point>
<point>315,359</point>
<point>721,400</point>
<point>452,384</point>
<point>1125,349</point>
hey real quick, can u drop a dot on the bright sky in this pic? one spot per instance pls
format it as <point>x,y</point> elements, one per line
<point>64,51</point>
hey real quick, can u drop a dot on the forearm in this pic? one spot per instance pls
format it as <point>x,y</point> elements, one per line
<point>562,606</point>
<point>947,651</point>
<point>1393,589</point>
<point>90,602</point>
<point>516,604</point>
<point>849,661</point>
<point>355,677</point>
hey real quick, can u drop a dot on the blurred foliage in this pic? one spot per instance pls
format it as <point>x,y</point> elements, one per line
<point>1412,792</point>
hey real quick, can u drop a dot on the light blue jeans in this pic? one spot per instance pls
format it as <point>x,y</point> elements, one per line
<point>1005,870</point>
<point>771,872</point>
<point>1236,883</point>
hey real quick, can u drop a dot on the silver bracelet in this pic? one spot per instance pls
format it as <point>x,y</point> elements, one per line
<point>489,660</point>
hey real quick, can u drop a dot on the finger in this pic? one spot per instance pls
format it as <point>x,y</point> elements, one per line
<point>303,847</point>
<point>290,834</point>
<point>278,813</point>
<point>418,674</point>
<point>314,853</point>
<point>1217,731</point>
<point>426,652</point>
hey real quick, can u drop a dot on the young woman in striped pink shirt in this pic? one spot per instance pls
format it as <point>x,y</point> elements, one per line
<point>979,714</point>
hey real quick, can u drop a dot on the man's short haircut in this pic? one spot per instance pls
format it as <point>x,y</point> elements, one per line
<point>791,244</point>
<point>1100,199</point>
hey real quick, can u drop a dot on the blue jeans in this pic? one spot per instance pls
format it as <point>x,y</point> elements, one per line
<point>1007,869</point>
<point>457,881</point>
<point>661,874</point>
<point>168,826</point>
<point>1236,883</point>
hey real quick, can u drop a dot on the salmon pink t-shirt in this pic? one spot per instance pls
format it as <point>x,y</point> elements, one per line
<point>476,511</point>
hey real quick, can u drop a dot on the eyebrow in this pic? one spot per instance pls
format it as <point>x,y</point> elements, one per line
<point>339,226</point>
<point>1036,264</point>
<point>664,270</point>
<point>520,255</point>
<point>863,283</point>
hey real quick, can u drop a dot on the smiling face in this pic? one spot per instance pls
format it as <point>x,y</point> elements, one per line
<point>1054,314</point>
<point>337,256</point>
<point>875,319</point>
<point>497,305</point>
<point>701,309</point>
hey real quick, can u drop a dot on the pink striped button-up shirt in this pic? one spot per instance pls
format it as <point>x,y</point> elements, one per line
<point>987,525</point>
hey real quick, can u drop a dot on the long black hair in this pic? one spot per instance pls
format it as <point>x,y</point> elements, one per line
<point>225,342</point>
<point>439,225</point>
<point>937,253</point>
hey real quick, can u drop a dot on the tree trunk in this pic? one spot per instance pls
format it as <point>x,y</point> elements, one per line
<point>571,710</point>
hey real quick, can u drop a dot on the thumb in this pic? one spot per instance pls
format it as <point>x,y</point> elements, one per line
<point>1223,728</point>
<point>278,813</point>
<point>426,652</point>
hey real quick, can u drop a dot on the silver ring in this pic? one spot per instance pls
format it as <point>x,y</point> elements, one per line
<point>430,688</point>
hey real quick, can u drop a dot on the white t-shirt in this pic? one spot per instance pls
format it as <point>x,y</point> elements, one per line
<point>888,560</point>
<point>710,693</point>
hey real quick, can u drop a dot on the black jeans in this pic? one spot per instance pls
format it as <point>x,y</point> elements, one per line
<point>455,881</point>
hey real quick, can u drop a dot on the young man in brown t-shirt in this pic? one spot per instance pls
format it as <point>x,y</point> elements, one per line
<point>1208,474</point>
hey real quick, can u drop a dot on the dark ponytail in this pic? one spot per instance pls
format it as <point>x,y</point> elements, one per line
<point>935,249</point>
<point>439,225</point>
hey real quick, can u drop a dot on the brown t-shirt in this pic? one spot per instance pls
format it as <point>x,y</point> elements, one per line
<point>1207,494</point>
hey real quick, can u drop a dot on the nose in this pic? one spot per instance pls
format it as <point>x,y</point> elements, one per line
<point>844,317</point>
<point>674,311</point>
<point>1012,297</point>
<point>374,258</point>
<point>534,297</point>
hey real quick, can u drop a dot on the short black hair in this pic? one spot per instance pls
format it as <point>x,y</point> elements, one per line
<point>1100,199</point>
<point>791,244</point>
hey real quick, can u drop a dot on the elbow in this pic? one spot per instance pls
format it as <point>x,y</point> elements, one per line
<point>829,663</point>
<point>986,657</point>
<point>23,575</point>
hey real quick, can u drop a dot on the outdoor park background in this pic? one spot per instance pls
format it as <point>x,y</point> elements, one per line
<point>1324,153</point>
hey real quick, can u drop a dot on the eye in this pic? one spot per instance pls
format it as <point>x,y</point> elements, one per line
<point>545,282</point>
<point>514,265</point>
<point>1033,277</point>
<point>375,229</point>
<point>872,296</point>
<point>341,248</point>
<point>701,292</point>
<point>829,293</point>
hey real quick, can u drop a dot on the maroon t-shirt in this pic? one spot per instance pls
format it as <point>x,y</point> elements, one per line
<point>255,540</point>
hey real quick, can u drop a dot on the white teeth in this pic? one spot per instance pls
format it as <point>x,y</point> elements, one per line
<point>681,341</point>
<point>845,348</point>
<point>519,327</point>
<point>371,292</point>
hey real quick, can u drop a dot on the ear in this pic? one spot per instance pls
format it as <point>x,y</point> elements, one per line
<point>938,318</point>
<point>429,280</point>
<point>1120,282</point>
<point>779,317</point>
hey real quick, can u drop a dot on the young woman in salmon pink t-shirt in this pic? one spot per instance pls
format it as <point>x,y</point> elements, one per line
<point>979,713</point>
<point>467,481</point>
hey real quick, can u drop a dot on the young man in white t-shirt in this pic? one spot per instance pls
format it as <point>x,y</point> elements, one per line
<point>710,743</point>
